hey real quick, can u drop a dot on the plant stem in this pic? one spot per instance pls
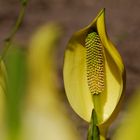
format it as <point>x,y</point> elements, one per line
<point>93,131</point>
<point>9,39</point>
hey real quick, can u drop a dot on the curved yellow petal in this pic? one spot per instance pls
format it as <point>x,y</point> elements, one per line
<point>45,117</point>
<point>75,80</point>
<point>75,74</point>
<point>114,69</point>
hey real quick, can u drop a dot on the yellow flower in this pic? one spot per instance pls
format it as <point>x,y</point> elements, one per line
<point>45,117</point>
<point>94,74</point>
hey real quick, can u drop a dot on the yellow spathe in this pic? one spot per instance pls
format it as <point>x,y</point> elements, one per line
<point>45,116</point>
<point>75,74</point>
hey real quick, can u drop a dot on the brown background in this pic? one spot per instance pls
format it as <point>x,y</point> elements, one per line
<point>123,26</point>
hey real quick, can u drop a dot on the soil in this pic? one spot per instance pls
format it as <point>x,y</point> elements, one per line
<point>123,26</point>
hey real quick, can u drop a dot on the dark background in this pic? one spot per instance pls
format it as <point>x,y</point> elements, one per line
<point>123,27</point>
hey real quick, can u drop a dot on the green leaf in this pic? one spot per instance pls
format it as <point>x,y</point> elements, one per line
<point>15,63</point>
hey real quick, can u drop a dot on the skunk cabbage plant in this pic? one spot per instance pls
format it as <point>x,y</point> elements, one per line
<point>94,74</point>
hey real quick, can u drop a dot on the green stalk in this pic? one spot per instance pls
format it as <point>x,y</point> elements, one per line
<point>99,110</point>
<point>9,39</point>
<point>93,131</point>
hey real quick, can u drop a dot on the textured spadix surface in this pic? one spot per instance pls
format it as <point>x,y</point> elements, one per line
<point>93,72</point>
<point>95,63</point>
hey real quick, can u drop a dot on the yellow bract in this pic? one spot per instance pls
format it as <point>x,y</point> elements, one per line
<point>45,117</point>
<point>130,124</point>
<point>76,77</point>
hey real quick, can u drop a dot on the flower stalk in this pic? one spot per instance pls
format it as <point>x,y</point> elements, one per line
<point>93,131</point>
<point>9,39</point>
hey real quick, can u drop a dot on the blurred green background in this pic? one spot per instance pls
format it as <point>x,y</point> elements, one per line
<point>123,23</point>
